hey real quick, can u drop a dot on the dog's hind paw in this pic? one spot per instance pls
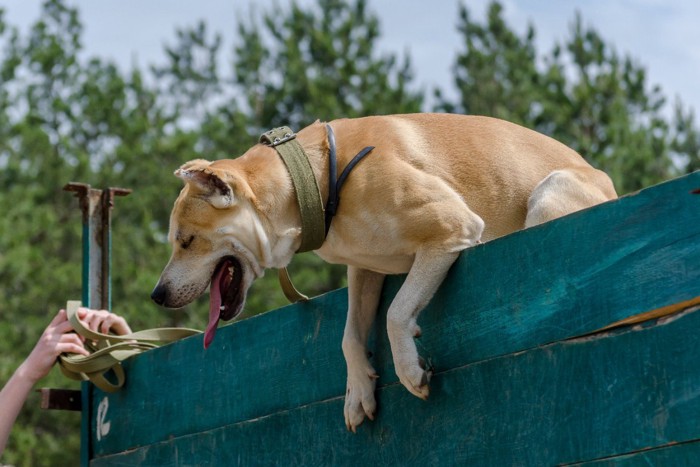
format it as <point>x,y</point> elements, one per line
<point>359,400</point>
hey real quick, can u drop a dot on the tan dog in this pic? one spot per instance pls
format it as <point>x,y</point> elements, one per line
<point>434,185</point>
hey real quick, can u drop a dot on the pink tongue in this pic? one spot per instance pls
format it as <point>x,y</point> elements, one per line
<point>214,305</point>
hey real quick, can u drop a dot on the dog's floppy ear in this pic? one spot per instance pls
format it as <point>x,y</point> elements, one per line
<point>214,189</point>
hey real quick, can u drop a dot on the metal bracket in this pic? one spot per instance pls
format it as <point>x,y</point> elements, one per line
<point>60,399</point>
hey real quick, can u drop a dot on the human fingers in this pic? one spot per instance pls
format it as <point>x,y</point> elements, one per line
<point>70,340</point>
<point>53,333</point>
<point>60,317</point>
<point>71,346</point>
<point>116,323</point>
<point>92,318</point>
<point>61,328</point>
<point>49,346</point>
<point>103,321</point>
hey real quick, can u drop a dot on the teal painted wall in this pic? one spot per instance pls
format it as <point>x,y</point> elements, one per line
<point>517,382</point>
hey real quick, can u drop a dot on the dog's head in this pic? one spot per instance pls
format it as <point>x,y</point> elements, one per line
<point>216,237</point>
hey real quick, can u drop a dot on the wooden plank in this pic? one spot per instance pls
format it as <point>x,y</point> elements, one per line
<point>685,454</point>
<point>568,277</point>
<point>654,314</point>
<point>587,398</point>
<point>556,281</point>
<point>261,365</point>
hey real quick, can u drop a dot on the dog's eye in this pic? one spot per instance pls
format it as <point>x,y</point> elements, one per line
<point>186,243</point>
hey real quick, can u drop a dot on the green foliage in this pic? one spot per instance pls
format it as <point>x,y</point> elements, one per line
<point>582,93</point>
<point>496,75</point>
<point>319,64</point>
<point>67,118</point>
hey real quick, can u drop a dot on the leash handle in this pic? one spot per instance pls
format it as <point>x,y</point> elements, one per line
<point>108,351</point>
<point>155,335</point>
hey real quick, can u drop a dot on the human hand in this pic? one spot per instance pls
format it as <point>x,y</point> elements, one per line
<point>56,339</point>
<point>102,321</point>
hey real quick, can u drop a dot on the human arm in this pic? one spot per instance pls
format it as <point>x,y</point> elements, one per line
<point>57,338</point>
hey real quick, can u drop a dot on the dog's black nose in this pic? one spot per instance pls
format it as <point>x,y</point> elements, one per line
<point>159,294</point>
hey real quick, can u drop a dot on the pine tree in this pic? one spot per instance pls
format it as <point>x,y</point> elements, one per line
<point>583,93</point>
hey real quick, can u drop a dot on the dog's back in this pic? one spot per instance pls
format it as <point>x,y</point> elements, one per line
<point>494,165</point>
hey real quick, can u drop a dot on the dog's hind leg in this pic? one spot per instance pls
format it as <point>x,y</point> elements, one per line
<point>565,191</point>
<point>364,290</point>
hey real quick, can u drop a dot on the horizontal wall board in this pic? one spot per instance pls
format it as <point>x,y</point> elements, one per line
<point>677,455</point>
<point>542,285</point>
<point>587,398</point>
<point>565,278</point>
<point>258,366</point>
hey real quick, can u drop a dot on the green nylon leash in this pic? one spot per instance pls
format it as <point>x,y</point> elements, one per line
<point>108,351</point>
<point>291,292</point>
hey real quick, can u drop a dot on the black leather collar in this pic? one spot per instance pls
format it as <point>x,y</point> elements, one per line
<point>335,183</point>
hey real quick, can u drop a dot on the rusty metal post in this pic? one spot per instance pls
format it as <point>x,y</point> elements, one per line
<point>96,206</point>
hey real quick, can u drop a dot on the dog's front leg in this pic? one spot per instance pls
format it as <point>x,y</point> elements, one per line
<point>427,273</point>
<point>364,290</point>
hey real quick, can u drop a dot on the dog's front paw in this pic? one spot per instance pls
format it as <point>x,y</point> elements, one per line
<point>359,398</point>
<point>415,376</point>
<point>411,369</point>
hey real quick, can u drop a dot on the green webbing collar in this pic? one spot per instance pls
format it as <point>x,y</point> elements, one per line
<point>313,230</point>
<point>315,220</point>
<point>109,351</point>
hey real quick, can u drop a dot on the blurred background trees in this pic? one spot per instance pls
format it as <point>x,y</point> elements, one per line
<point>583,93</point>
<point>64,117</point>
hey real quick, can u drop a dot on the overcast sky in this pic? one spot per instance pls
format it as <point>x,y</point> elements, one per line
<point>662,35</point>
